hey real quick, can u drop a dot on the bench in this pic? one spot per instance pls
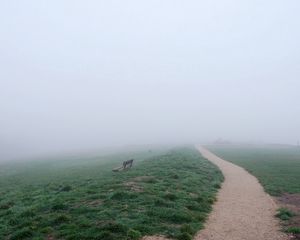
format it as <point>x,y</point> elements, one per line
<point>126,164</point>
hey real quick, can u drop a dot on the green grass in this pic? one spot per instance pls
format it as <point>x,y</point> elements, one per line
<point>277,168</point>
<point>167,193</point>
<point>285,214</point>
<point>294,230</point>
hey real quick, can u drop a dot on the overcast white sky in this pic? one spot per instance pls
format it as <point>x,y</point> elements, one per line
<point>88,74</point>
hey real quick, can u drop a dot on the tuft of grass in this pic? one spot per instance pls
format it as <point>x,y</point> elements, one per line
<point>59,206</point>
<point>133,234</point>
<point>285,214</point>
<point>184,236</point>
<point>62,218</point>
<point>186,229</point>
<point>294,230</point>
<point>66,188</point>
<point>6,205</point>
<point>170,196</point>
<point>122,195</point>
<point>21,234</point>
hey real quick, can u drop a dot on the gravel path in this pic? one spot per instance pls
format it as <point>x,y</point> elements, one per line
<point>243,210</point>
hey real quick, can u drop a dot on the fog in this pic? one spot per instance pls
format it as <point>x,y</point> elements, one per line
<point>80,75</point>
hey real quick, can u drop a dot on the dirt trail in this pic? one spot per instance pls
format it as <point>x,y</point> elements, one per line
<point>243,210</point>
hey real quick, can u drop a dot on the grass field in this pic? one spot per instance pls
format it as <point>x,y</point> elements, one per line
<point>278,170</point>
<point>167,193</point>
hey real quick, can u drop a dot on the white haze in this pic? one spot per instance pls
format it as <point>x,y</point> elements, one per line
<point>79,75</point>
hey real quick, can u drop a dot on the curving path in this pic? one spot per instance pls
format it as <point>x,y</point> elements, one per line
<point>243,210</point>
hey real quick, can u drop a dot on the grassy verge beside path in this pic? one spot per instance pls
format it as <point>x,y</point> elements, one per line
<point>167,193</point>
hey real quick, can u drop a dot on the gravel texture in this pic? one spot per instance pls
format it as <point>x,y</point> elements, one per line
<point>243,210</point>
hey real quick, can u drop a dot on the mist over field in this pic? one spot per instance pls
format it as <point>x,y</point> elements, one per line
<point>81,75</point>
